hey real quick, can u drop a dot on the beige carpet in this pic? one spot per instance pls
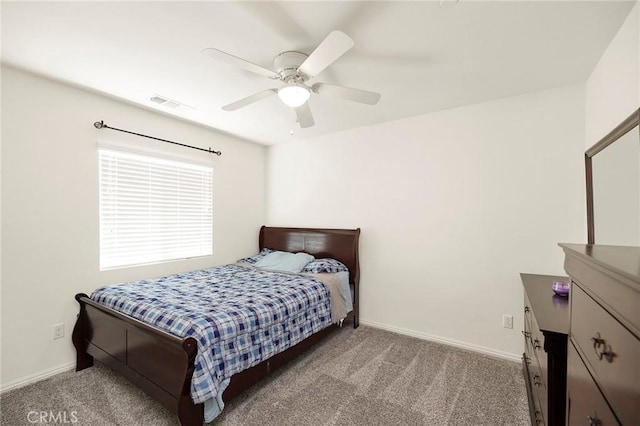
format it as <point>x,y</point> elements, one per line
<point>355,377</point>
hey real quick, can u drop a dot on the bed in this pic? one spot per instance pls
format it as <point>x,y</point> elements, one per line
<point>162,364</point>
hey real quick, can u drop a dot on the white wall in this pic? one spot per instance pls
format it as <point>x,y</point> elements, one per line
<point>613,89</point>
<point>50,209</point>
<point>612,94</point>
<point>453,206</point>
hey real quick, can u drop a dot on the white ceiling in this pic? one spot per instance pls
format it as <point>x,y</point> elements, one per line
<point>421,56</point>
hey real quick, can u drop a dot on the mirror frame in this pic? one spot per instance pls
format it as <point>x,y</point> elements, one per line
<point>623,128</point>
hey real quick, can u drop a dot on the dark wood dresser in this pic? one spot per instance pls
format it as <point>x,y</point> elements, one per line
<point>546,329</point>
<point>603,386</point>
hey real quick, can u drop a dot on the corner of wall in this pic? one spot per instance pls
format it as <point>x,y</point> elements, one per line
<point>613,88</point>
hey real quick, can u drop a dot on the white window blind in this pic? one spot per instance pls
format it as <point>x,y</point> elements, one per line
<point>153,209</point>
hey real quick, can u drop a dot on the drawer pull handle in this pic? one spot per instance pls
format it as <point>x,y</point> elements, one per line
<point>526,309</point>
<point>538,415</point>
<point>536,344</point>
<point>594,420</point>
<point>602,349</point>
<point>536,380</point>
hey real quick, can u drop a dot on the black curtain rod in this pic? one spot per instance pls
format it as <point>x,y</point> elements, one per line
<point>101,125</point>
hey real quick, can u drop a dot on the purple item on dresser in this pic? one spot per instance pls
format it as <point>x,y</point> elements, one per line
<point>561,288</point>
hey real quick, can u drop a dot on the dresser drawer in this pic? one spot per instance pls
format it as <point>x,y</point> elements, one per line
<point>596,334</point>
<point>537,385</point>
<point>618,293</point>
<point>528,313</point>
<point>586,404</point>
<point>537,345</point>
<point>535,339</point>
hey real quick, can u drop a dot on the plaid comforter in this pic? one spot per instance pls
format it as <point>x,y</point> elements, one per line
<point>239,315</point>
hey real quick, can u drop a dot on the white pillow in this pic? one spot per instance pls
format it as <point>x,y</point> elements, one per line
<point>284,261</point>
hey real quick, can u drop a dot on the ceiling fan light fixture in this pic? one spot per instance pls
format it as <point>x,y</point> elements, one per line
<point>294,95</point>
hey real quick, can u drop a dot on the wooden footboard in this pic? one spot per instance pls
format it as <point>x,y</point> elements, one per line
<point>159,363</point>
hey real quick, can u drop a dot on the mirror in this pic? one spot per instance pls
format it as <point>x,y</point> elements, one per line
<point>613,186</point>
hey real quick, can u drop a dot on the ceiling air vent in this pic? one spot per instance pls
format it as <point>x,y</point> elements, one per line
<point>169,103</point>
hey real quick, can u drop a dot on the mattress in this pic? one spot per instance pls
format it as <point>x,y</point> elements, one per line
<point>239,315</point>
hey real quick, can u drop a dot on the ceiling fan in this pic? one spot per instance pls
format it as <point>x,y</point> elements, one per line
<point>294,69</point>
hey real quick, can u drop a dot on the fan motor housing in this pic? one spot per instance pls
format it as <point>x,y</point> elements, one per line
<point>287,64</point>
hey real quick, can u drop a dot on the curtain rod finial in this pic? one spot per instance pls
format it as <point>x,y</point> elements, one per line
<point>98,124</point>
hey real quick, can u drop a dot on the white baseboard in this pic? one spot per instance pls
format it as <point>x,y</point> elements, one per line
<point>33,378</point>
<point>458,344</point>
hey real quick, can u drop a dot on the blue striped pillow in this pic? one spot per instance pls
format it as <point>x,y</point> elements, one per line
<point>320,266</point>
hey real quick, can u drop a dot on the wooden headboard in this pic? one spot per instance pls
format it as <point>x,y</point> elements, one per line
<point>339,244</point>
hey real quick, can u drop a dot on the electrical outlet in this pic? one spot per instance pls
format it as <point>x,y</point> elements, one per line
<point>507,321</point>
<point>58,331</point>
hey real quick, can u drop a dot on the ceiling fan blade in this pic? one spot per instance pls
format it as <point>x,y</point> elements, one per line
<point>355,95</point>
<point>305,118</point>
<point>249,100</point>
<point>239,62</point>
<point>335,45</point>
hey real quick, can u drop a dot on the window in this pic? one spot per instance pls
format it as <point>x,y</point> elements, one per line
<point>153,209</point>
